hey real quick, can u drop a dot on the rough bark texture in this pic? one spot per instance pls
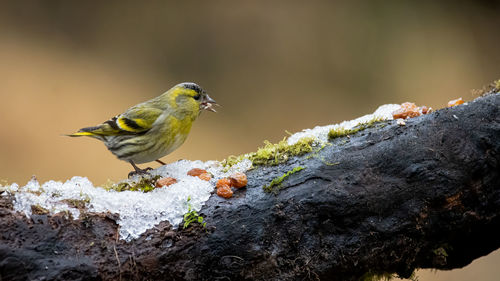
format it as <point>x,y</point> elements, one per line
<point>388,199</point>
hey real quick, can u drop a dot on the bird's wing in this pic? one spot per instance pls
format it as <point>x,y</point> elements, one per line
<point>136,120</point>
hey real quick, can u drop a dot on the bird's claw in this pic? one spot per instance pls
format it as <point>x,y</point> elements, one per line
<point>139,172</point>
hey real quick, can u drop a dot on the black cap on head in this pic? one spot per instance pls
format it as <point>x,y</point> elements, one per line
<point>193,86</point>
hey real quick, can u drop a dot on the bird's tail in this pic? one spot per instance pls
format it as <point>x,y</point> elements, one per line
<point>89,132</point>
<point>80,134</point>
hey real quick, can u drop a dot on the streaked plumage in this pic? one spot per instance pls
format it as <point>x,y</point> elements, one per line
<point>152,129</point>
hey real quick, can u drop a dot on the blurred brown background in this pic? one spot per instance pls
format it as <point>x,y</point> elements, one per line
<point>272,65</point>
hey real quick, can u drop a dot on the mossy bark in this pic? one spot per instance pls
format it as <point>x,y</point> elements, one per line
<point>423,195</point>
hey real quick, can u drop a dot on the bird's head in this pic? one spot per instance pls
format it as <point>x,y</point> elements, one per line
<point>196,93</point>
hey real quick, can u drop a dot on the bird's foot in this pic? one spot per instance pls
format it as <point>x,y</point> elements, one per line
<point>139,172</point>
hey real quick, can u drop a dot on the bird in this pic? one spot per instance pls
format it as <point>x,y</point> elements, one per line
<point>152,129</point>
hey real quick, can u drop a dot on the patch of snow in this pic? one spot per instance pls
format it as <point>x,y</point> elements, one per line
<point>138,211</point>
<point>320,133</point>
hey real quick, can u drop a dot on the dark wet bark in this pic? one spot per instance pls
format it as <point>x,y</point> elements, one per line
<point>388,199</point>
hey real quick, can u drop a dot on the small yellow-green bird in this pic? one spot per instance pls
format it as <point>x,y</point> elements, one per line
<point>152,129</point>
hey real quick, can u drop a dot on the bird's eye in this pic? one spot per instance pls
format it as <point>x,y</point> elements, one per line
<point>197,97</point>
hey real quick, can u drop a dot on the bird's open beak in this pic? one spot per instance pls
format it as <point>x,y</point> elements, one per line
<point>208,104</point>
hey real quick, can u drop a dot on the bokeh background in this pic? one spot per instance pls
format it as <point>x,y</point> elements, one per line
<point>274,66</point>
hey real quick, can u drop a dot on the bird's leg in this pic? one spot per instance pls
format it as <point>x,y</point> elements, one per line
<point>137,170</point>
<point>161,162</point>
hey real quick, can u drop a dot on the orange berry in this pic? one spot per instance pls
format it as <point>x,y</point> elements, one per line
<point>238,180</point>
<point>455,102</point>
<point>205,176</point>
<point>165,182</point>
<point>407,110</point>
<point>424,109</point>
<point>224,181</point>
<point>196,172</point>
<point>224,191</point>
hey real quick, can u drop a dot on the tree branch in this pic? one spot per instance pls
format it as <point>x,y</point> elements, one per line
<point>390,198</point>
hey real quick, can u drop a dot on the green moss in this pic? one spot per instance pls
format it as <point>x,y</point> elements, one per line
<point>275,185</point>
<point>496,84</point>
<point>440,252</point>
<point>371,276</point>
<point>39,210</point>
<point>492,88</point>
<point>342,132</point>
<point>192,216</point>
<point>231,161</point>
<point>77,203</point>
<point>385,276</point>
<point>108,185</point>
<point>339,132</point>
<point>146,184</point>
<point>273,154</point>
